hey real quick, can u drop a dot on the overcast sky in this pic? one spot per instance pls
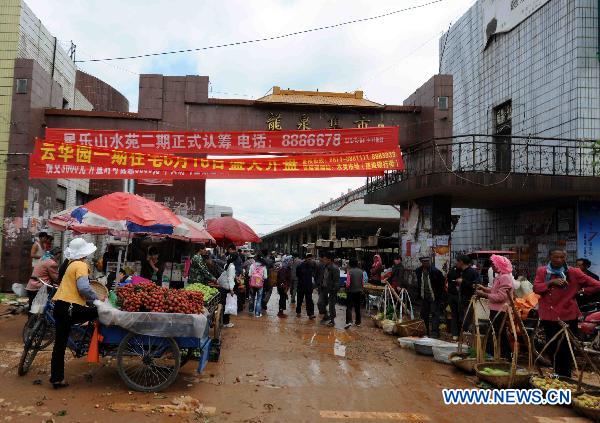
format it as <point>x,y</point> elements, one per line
<point>387,58</point>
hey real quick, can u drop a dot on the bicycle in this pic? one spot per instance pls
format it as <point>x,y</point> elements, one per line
<point>33,318</point>
<point>78,341</point>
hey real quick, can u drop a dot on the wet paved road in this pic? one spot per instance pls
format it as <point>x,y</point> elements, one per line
<point>271,370</point>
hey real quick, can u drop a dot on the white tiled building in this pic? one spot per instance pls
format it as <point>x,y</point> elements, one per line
<point>548,68</point>
<point>545,72</point>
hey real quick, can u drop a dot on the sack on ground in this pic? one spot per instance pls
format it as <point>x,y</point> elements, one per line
<point>388,326</point>
<point>19,289</point>
<point>40,300</point>
<point>231,304</point>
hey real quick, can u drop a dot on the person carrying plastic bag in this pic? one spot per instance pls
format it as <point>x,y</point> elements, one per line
<point>226,284</point>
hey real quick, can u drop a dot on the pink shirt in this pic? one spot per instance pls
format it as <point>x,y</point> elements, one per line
<point>501,291</point>
<point>46,270</point>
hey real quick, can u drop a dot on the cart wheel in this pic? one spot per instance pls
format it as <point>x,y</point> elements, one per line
<point>28,328</point>
<point>32,346</point>
<point>148,363</point>
<point>218,322</point>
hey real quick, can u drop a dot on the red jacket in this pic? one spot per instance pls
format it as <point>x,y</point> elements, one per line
<point>558,303</point>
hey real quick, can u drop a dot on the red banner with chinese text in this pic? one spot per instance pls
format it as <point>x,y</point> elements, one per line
<point>52,160</point>
<point>328,141</point>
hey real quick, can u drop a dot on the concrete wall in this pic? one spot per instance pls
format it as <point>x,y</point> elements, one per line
<point>81,102</point>
<point>547,66</point>
<point>36,57</point>
<point>36,42</point>
<point>528,230</point>
<point>29,203</point>
<point>10,11</point>
<point>213,210</point>
<point>433,121</point>
<point>182,102</point>
<point>101,95</point>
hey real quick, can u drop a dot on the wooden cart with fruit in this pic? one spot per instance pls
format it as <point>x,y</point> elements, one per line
<point>147,336</point>
<point>157,331</point>
<point>151,363</point>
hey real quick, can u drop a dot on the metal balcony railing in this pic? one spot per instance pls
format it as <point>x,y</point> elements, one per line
<point>495,153</point>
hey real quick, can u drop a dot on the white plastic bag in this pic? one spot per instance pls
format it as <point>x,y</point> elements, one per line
<point>19,289</point>
<point>153,324</point>
<point>40,300</point>
<point>223,280</point>
<point>231,305</point>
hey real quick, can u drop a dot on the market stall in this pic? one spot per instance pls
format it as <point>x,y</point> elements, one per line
<point>137,306</point>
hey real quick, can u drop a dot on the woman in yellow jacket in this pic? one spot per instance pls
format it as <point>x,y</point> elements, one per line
<point>70,305</point>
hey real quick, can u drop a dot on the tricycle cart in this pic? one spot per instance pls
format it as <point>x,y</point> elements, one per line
<point>150,363</point>
<point>148,346</point>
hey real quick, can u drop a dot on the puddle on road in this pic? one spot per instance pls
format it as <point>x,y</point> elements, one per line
<point>316,375</point>
<point>339,348</point>
<point>332,342</point>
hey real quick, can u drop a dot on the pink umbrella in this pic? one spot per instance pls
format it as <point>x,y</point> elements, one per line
<point>191,231</point>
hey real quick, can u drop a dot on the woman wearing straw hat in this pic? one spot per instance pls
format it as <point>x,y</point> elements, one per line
<point>70,305</point>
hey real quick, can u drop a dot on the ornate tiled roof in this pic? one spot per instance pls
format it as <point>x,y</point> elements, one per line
<point>320,98</point>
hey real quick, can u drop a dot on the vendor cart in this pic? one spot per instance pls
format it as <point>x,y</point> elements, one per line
<point>214,312</point>
<point>147,346</point>
<point>150,363</point>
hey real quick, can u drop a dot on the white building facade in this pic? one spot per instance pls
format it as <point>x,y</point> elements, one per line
<point>547,68</point>
<point>523,68</point>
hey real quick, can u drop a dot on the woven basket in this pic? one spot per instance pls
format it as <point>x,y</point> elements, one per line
<point>465,363</point>
<point>414,327</point>
<point>585,388</point>
<point>520,380</point>
<point>591,413</point>
<point>376,322</point>
<point>99,289</point>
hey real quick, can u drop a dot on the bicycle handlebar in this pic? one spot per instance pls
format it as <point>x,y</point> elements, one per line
<point>49,285</point>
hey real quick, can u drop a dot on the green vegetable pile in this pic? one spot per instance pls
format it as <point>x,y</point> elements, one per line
<point>493,372</point>
<point>389,315</point>
<point>342,295</point>
<point>208,291</point>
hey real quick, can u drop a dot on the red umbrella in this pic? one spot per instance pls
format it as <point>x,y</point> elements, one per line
<point>122,211</point>
<point>188,230</point>
<point>232,230</point>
